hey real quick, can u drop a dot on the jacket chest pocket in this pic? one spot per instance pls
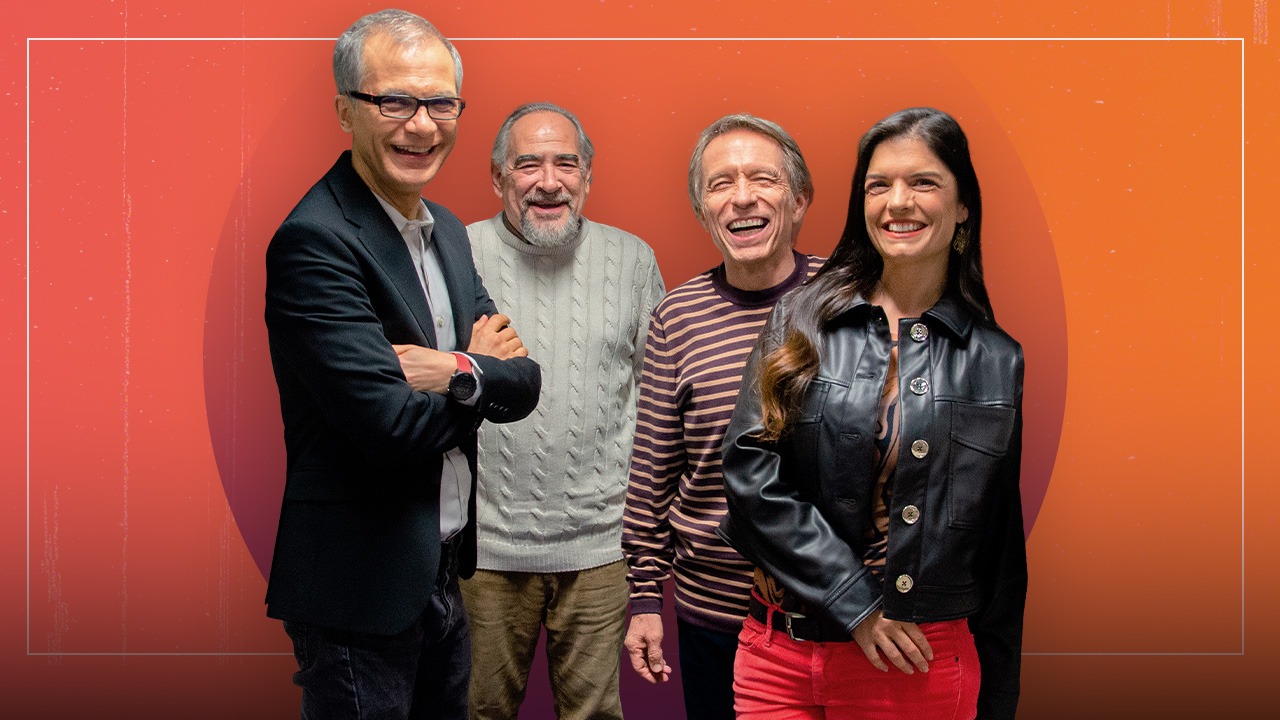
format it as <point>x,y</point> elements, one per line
<point>802,439</point>
<point>839,453</point>
<point>979,441</point>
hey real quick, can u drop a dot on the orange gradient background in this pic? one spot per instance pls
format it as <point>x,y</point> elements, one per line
<point>1122,229</point>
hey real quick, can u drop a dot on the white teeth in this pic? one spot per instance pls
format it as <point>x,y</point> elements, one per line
<point>905,226</point>
<point>740,224</point>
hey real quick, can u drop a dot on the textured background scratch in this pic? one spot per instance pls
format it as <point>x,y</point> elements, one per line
<point>126,334</point>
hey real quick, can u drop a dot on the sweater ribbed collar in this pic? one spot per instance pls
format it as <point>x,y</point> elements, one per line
<point>761,298</point>
<point>524,246</point>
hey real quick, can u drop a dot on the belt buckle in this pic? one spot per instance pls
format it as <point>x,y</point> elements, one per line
<point>790,631</point>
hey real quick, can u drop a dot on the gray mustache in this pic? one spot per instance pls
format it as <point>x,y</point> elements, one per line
<point>540,197</point>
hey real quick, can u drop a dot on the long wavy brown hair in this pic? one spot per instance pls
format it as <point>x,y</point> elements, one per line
<point>854,266</point>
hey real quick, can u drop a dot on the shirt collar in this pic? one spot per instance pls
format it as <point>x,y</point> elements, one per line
<point>404,224</point>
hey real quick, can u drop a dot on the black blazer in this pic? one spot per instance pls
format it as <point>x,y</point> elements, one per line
<point>359,538</point>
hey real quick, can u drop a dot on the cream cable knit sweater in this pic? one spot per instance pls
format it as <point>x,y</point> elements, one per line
<point>552,486</point>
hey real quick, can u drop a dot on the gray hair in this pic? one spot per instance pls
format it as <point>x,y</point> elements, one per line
<point>502,143</point>
<point>797,171</point>
<point>403,27</point>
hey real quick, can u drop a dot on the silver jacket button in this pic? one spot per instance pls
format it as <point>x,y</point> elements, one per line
<point>920,448</point>
<point>903,583</point>
<point>910,514</point>
<point>919,332</point>
<point>919,386</point>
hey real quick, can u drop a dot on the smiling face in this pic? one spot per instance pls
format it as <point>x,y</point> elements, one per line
<point>543,182</point>
<point>396,158</point>
<point>911,203</point>
<point>749,208</point>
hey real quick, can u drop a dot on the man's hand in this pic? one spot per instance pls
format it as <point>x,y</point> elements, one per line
<point>644,645</point>
<point>896,640</point>
<point>493,335</point>
<point>426,370</point>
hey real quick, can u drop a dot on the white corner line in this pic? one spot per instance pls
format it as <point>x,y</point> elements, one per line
<point>668,39</point>
<point>1133,654</point>
<point>164,654</point>
<point>1240,40</point>
<point>28,331</point>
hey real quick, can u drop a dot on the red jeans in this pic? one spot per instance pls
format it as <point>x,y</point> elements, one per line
<point>777,678</point>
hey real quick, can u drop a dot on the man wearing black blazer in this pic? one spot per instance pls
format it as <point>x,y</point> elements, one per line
<point>370,290</point>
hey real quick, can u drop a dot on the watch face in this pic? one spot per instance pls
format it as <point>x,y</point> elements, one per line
<point>462,386</point>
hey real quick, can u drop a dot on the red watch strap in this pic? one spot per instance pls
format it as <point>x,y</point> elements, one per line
<point>464,362</point>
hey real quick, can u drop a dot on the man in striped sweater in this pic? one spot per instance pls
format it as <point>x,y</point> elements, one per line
<point>750,188</point>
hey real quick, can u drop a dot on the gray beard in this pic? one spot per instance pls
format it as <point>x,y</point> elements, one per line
<point>550,237</point>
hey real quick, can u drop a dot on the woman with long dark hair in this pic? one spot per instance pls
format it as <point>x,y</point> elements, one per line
<point>872,467</point>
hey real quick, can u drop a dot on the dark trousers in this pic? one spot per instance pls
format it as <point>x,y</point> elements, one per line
<point>706,671</point>
<point>421,673</point>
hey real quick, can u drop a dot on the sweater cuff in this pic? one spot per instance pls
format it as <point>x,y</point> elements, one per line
<point>646,606</point>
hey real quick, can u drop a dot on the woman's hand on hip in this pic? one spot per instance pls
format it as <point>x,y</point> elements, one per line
<point>901,642</point>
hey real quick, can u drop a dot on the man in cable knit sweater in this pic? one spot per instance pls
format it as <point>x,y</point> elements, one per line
<point>552,488</point>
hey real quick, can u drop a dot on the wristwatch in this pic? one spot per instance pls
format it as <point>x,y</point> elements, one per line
<point>462,385</point>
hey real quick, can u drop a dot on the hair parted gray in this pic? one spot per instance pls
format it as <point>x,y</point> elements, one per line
<point>797,171</point>
<point>502,143</point>
<point>402,26</point>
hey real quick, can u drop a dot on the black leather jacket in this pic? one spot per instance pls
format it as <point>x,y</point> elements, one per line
<point>799,508</point>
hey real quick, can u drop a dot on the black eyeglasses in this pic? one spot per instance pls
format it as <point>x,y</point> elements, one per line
<point>403,107</point>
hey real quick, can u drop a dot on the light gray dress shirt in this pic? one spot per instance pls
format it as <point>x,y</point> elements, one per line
<point>455,474</point>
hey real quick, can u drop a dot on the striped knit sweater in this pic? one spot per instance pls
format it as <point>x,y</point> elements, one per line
<point>698,343</point>
<point>551,486</point>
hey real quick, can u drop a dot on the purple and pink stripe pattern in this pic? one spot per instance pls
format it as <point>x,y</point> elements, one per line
<point>698,343</point>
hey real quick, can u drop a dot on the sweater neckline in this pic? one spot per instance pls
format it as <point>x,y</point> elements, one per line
<point>767,296</point>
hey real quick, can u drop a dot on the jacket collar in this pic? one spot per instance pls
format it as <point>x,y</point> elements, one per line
<point>359,205</point>
<point>379,235</point>
<point>949,312</point>
<point>953,314</point>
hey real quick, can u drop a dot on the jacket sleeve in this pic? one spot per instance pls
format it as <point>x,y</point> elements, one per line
<point>997,626</point>
<point>658,461</point>
<point>323,328</point>
<point>510,390</point>
<point>773,525</point>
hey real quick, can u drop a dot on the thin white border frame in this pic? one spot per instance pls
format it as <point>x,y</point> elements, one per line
<point>638,39</point>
